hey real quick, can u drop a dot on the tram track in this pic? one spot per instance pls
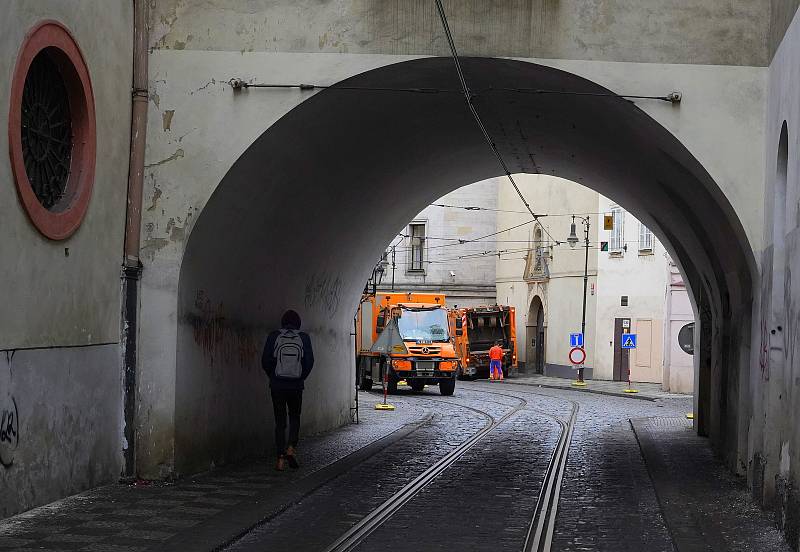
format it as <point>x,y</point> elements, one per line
<point>540,532</point>
<point>361,530</point>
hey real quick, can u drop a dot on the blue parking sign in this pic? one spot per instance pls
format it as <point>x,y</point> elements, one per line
<point>576,340</point>
<point>628,341</point>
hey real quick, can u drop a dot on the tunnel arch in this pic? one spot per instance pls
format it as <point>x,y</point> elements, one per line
<point>301,216</point>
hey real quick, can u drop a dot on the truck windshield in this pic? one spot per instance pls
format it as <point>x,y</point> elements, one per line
<point>423,324</point>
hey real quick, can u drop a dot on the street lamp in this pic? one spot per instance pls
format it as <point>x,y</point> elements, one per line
<point>573,241</point>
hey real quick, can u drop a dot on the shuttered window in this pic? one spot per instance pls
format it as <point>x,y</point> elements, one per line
<point>616,243</point>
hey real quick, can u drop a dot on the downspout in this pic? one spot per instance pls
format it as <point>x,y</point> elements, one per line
<point>132,266</point>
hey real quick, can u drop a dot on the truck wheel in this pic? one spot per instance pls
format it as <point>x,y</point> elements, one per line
<point>391,385</point>
<point>417,385</point>
<point>446,387</point>
<point>365,384</point>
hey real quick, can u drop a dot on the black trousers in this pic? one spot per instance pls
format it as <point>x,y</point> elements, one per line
<point>283,401</point>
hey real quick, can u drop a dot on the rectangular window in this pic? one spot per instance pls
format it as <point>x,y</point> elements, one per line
<point>645,239</point>
<point>623,301</point>
<point>416,231</point>
<point>616,243</point>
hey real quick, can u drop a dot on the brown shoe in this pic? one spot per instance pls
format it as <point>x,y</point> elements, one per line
<point>280,465</point>
<point>291,458</point>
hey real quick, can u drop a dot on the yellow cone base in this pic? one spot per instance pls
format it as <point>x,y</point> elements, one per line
<point>631,391</point>
<point>381,406</point>
<point>690,415</point>
<point>579,383</point>
<point>402,382</point>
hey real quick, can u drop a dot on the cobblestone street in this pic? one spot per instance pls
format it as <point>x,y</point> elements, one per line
<point>484,500</point>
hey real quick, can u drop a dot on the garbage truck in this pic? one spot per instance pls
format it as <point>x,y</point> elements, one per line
<point>421,351</point>
<point>477,329</point>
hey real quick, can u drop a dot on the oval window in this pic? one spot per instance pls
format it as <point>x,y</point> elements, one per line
<point>52,130</point>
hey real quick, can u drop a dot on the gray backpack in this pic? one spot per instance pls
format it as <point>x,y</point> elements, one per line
<point>288,352</point>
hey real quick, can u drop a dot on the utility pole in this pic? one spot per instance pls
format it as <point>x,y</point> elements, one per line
<point>573,240</point>
<point>394,247</point>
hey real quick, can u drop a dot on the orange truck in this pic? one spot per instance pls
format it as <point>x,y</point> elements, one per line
<point>424,354</point>
<point>476,329</point>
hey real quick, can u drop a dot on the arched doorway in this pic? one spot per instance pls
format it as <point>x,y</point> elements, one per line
<point>535,347</point>
<point>302,215</point>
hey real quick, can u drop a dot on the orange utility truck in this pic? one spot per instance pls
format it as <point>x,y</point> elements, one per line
<point>476,330</point>
<point>424,352</point>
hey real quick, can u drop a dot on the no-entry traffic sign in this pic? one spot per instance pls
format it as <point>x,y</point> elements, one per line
<point>577,355</point>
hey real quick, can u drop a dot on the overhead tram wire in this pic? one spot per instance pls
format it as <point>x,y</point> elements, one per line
<point>477,117</point>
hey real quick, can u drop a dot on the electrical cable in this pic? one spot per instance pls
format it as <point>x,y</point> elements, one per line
<point>476,115</point>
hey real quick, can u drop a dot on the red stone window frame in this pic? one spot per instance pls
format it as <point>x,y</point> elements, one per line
<point>64,218</point>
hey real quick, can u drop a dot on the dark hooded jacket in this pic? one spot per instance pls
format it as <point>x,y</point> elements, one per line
<point>269,362</point>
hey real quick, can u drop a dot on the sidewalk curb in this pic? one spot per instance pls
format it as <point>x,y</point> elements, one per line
<point>584,390</point>
<point>236,522</point>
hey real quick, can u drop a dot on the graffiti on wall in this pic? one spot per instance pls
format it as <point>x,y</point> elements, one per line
<point>9,432</point>
<point>218,337</point>
<point>323,292</point>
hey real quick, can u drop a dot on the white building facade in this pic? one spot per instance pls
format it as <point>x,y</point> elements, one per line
<point>632,286</point>
<point>435,253</point>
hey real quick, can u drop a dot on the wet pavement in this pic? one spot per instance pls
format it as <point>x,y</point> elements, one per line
<point>615,495</point>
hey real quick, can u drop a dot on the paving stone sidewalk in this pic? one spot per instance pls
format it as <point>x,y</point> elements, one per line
<point>203,512</point>
<point>646,391</point>
<point>705,506</point>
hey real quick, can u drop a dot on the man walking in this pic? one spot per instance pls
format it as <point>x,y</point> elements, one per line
<point>496,362</point>
<point>288,359</point>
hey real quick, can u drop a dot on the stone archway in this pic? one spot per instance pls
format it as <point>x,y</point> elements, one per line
<point>301,216</point>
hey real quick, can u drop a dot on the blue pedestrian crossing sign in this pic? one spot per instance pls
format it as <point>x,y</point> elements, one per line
<point>628,341</point>
<point>576,340</point>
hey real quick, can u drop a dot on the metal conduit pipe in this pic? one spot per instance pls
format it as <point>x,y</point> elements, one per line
<point>132,266</point>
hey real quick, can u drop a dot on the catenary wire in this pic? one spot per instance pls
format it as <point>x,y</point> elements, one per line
<point>476,115</point>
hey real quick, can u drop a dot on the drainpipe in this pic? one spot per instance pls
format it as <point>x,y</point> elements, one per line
<point>132,266</point>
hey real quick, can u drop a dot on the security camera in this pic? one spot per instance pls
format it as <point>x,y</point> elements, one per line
<point>452,274</point>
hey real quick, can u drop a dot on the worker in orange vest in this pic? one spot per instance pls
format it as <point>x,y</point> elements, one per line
<point>496,362</point>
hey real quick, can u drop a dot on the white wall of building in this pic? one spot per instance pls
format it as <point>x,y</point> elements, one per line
<point>640,275</point>
<point>562,292</point>
<point>462,271</point>
<point>678,364</point>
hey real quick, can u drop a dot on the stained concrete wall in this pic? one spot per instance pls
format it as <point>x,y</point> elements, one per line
<point>719,32</point>
<point>774,436</point>
<point>60,324</point>
<point>781,16</point>
<point>199,128</point>
<point>67,408</point>
<point>45,310</point>
<point>473,282</point>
